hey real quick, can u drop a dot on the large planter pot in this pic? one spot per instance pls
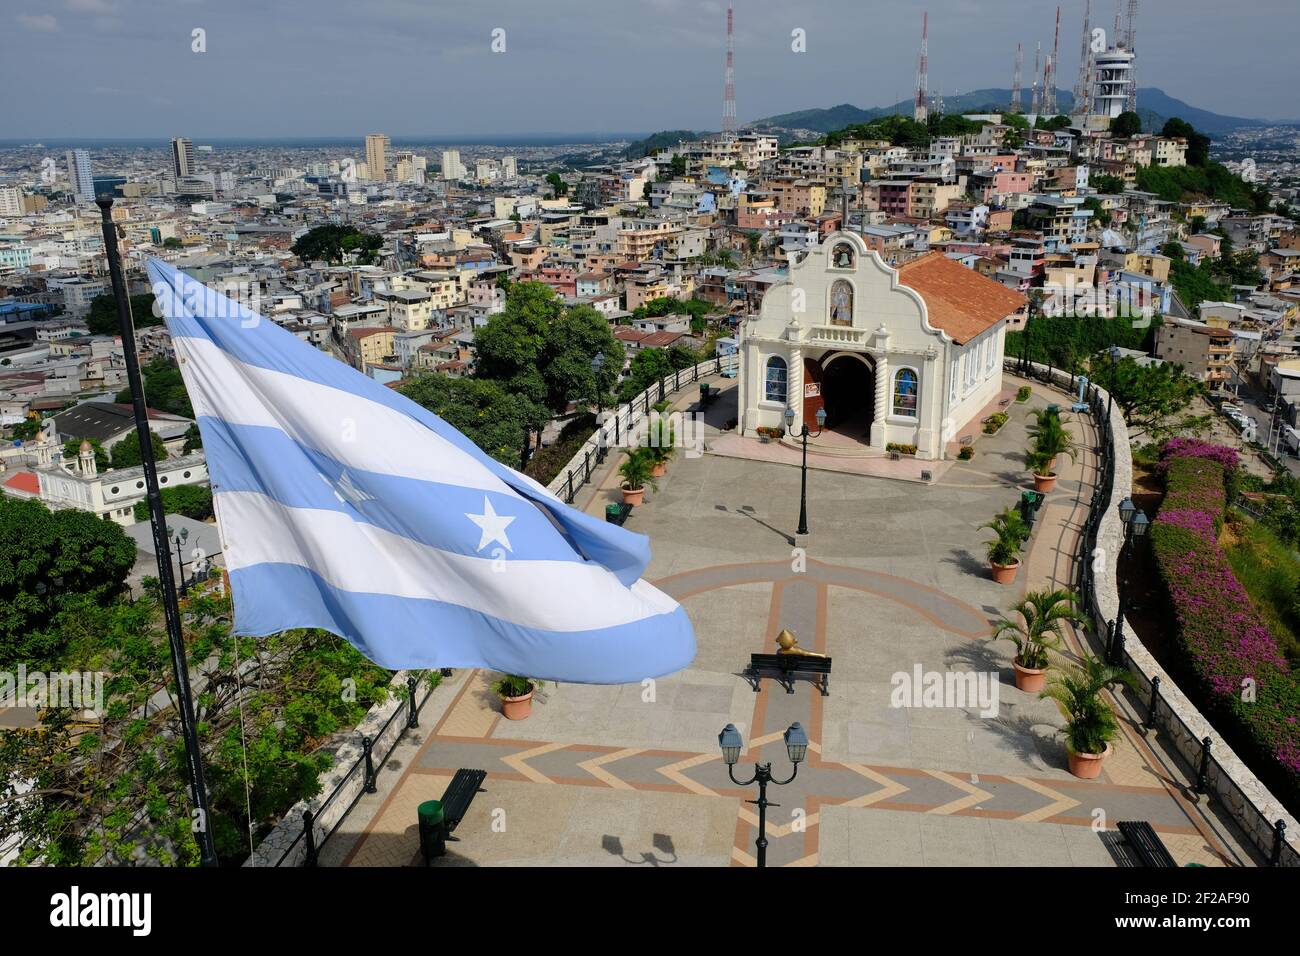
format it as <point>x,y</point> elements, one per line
<point>1004,573</point>
<point>659,470</point>
<point>1044,483</point>
<point>1029,679</point>
<point>633,496</point>
<point>1087,766</point>
<point>517,708</point>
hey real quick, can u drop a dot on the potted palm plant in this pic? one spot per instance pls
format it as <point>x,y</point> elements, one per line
<point>663,438</point>
<point>1040,464</point>
<point>1037,634</point>
<point>516,695</point>
<point>1090,723</point>
<point>1004,550</point>
<point>1051,437</point>
<point>636,474</point>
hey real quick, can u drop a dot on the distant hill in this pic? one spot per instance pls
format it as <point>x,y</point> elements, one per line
<point>1155,106</point>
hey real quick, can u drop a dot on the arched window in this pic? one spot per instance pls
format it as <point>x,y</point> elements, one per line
<point>842,303</point>
<point>905,393</point>
<point>776,379</point>
<point>842,256</point>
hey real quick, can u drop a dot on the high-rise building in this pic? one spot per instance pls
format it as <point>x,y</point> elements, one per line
<point>377,156</point>
<point>452,167</point>
<point>79,175</point>
<point>11,201</point>
<point>509,168</point>
<point>183,157</point>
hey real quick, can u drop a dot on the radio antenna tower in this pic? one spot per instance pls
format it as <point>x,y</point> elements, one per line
<point>1038,61</point>
<point>1130,42</point>
<point>1083,85</point>
<point>1015,80</point>
<point>1049,80</point>
<point>729,87</point>
<point>921,110</point>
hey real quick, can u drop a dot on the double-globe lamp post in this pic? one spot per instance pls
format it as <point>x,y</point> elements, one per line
<point>179,541</point>
<point>804,433</point>
<point>796,747</point>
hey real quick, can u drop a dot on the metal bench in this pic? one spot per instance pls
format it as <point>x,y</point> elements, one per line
<point>1141,839</point>
<point>460,793</point>
<point>785,669</point>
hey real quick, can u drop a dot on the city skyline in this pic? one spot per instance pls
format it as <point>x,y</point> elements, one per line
<point>136,61</point>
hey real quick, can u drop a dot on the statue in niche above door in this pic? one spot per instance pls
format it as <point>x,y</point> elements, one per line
<point>841,303</point>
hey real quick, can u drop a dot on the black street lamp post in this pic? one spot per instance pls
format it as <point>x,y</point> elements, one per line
<point>796,747</point>
<point>1135,527</point>
<point>804,433</point>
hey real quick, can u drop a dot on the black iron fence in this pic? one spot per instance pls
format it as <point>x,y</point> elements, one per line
<point>361,776</point>
<point>613,431</point>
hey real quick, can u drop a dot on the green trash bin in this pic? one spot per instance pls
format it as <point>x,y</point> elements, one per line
<point>613,513</point>
<point>433,834</point>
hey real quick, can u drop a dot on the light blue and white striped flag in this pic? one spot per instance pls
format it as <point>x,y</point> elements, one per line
<point>345,506</point>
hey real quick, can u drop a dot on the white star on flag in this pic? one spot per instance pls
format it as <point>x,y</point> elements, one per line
<point>492,525</point>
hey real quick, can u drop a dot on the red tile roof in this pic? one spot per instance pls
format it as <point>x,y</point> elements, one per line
<point>24,481</point>
<point>959,301</point>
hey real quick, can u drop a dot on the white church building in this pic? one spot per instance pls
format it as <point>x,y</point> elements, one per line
<point>905,356</point>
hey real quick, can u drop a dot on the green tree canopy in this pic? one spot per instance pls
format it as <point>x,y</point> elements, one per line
<point>1105,183</point>
<point>540,350</point>
<point>127,452</point>
<point>48,559</point>
<point>1198,144</point>
<point>1126,124</point>
<point>569,350</point>
<point>115,793</point>
<point>164,389</point>
<point>1146,394</point>
<point>192,501</point>
<point>102,318</point>
<point>558,186</point>
<point>488,413</point>
<point>335,243</point>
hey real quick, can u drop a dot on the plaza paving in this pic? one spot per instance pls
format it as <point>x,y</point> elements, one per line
<point>894,578</point>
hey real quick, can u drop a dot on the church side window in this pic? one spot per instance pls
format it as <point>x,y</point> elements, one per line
<point>775,389</point>
<point>905,393</point>
<point>841,303</point>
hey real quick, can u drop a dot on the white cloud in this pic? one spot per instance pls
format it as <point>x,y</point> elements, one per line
<point>43,23</point>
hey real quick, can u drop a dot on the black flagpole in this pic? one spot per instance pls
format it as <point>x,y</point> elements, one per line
<point>161,546</point>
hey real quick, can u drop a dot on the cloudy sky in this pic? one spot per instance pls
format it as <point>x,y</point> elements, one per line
<point>126,68</point>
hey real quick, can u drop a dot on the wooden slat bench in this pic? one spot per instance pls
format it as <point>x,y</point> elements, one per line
<point>785,669</point>
<point>1141,839</point>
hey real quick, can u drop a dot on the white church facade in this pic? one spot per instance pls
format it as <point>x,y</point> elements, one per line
<point>905,356</point>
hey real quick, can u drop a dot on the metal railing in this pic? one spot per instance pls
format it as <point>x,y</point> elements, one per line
<point>624,418</point>
<point>367,765</point>
<point>1209,772</point>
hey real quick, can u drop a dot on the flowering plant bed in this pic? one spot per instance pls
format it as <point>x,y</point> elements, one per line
<point>993,424</point>
<point>1023,393</point>
<point>1177,448</point>
<point>1243,680</point>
